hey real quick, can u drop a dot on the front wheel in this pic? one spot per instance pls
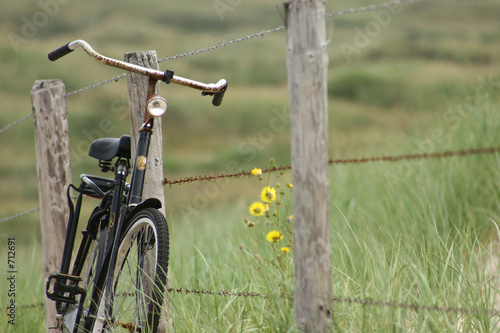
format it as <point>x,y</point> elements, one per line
<point>140,276</point>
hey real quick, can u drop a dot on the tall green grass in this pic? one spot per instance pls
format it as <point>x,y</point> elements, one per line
<point>29,300</point>
<point>421,233</point>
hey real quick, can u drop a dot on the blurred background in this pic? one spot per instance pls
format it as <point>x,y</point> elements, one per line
<point>399,83</point>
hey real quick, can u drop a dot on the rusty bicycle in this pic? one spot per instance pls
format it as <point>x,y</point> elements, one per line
<point>117,277</point>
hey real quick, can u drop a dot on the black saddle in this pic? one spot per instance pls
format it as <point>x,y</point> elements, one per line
<point>108,148</point>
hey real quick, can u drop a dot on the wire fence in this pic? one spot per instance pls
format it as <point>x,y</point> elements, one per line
<point>248,173</point>
<point>345,300</point>
<point>348,300</point>
<point>439,155</point>
<point>203,178</point>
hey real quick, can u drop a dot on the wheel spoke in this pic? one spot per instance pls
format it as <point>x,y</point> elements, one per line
<point>139,275</point>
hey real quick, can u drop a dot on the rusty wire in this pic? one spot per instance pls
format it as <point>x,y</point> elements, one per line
<point>221,176</point>
<point>217,293</point>
<point>361,301</point>
<point>454,153</point>
<point>355,300</point>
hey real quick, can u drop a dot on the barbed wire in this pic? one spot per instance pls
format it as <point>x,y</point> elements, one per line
<point>361,301</point>
<point>218,293</point>
<point>16,123</point>
<point>252,36</point>
<point>393,159</point>
<point>346,300</point>
<point>462,152</point>
<point>221,176</point>
<point>13,217</point>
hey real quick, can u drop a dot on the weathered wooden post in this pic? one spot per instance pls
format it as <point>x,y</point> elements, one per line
<point>153,183</point>
<point>54,174</point>
<point>307,62</point>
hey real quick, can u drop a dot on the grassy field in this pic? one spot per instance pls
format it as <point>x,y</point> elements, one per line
<point>417,232</point>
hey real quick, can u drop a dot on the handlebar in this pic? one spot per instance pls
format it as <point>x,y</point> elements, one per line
<point>216,90</point>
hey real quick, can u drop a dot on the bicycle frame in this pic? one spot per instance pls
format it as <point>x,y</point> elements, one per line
<point>111,227</point>
<point>118,212</point>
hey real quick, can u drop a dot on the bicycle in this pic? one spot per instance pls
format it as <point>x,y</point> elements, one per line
<point>119,272</point>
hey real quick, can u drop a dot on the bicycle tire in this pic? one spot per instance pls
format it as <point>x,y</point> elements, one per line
<point>140,276</point>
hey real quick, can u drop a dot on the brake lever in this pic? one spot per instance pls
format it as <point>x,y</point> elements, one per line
<point>217,96</point>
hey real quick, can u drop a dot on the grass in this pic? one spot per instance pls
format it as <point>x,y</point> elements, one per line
<point>417,238</point>
<point>421,234</point>
<point>417,232</point>
<point>29,302</point>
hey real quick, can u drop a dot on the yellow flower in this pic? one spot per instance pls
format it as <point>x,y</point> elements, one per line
<point>285,249</point>
<point>256,171</point>
<point>274,236</point>
<point>268,194</point>
<point>290,185</point>
<point>257,209</point>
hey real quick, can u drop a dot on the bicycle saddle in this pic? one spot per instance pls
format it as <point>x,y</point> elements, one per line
<point>106,149</point>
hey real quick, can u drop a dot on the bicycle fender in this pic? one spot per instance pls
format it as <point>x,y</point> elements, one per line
<point>148,203</point>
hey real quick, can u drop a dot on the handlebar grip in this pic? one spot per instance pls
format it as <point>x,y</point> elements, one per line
<point>218,96</point>
<point>60,52</point>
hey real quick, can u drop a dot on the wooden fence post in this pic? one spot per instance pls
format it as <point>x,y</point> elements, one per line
<point>307,62</point>
<point>54,174</point>
<point>153,183</point>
